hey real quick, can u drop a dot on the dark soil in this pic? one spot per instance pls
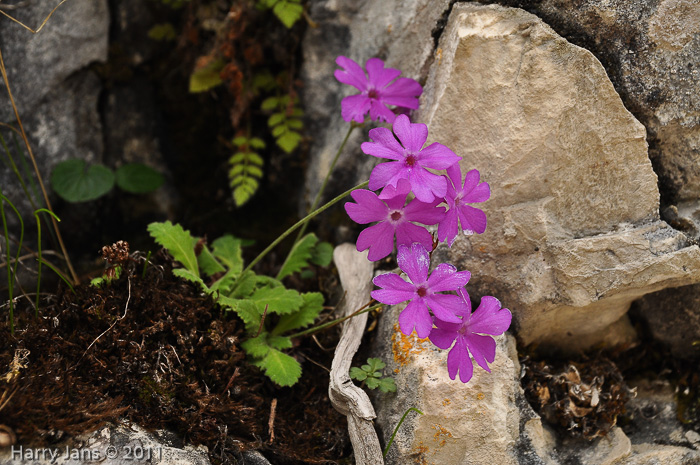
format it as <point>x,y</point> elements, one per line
<point>155,351</point>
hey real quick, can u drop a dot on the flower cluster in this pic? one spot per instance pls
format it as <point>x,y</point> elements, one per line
<point>438,306</point>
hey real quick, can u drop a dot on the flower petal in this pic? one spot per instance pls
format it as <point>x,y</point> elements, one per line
<point>415,315</point>
<point>426,185</point>
<point>352,74</point>
<point>414,261</point>
<point>379,76</point>
<point>388,173</point>
<point>403,187</point>
<point>472,219</point>
<point>385,137</point>
<point>378,111</point>
<point>425,213</point>
<point>490,318</point>
<point>458,360</point>
<point>472,191</point>
<point>412,136</point>
<point>483,349</point>
<point>404,92</point>
<point>454,173</point>
<point>437,156</point>
<point>449,227</point>
<point>445,277</point>
<point>368,208</point>
<point>379,239</point>
<point>446,307</point>
<point>408,233</point>
<point>354,108</point>
<point>442,338</point>
<point>393,292</point>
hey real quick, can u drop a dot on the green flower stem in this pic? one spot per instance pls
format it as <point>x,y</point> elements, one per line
<point>335,322</point>
<point>298,224</point>
<point>11,269</point>
<point>391,440</point>
<point>38,231</point>
<point>353,125</point>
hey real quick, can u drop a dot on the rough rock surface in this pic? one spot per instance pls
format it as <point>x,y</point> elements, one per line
<point>574,235</point>
<point>111,445</point>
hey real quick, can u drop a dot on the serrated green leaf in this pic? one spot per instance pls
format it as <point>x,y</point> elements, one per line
<point>387,385</point>
<point>289,141</point>
<point>207,77</point>
<point>375,364</point>
<point>276,119</point>
<point>243,193</point>
<point>269,103</point>
<point>277,131</point>
<point>253,170</point>
<point>307,314</point>
<point>240,141</point>
<point>227,249</point>
<point>237,157</point>
<point>138,178</point>
<point>262,281</point>
<point>189,276</point>
<point>255,159</point>
<point>245,309</point>
<point>207,263</point>
<point>244,286</point>
<point>257,346</point>
<point>372,383</point>
<point>322,254</point>
<point>367,369</point>
<point>288,12</point>
<point>164,31</point>
<point>179,243</point>
<point>257,143</point>
<point>73,181</point>
<point>299,256</point>
<point>356,373</point>
<point>236,169</point>
<point>224,284</point>
<point>281,368</point>
<point>279,342</point>
<point>278,299</point>
<point>295,123</point>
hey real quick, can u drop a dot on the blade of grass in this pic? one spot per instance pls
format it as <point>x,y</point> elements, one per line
<point>11,270</point>
<point>38,231</point>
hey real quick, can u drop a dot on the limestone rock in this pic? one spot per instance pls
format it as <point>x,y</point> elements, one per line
<point>673,317</point>
<point>75,36</point>
<point>574,235</point>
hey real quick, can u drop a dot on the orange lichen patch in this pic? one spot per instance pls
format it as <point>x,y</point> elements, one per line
<point>403,347</point>
<point>480,396</point>
<point>441,435</point>
<point>419,452</point>
<point>446,402</point>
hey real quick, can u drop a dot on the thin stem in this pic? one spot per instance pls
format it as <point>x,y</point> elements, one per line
<point>391,440</point>
<point>335,322</point>
<point>38,230</point>
<point>43,23</point>
<point>353,125</point>
<point>31,155</point>
<point>299,223</point>
<point>11,271</point>
<point>16,171</point>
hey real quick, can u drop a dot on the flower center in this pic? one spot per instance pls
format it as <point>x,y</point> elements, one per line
<point>411,160</point>
<point>422,291</point>
<point>396,216</point>
<point>373,94</point>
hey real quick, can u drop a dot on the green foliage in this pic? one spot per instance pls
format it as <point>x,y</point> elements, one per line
<point>164,31</point>
<point>74,181</point>
<point>138,178</point>
<point>107,278</point>
<point>285,122</point>
<point>371,374</point>
<point>206,76</point>
<point>287,11</point>
<point>268,309</point>
<point>246,168</point>
<point>306,250</point>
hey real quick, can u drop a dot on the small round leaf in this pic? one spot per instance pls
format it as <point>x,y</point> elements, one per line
<point>138,179</point>
<point>73,182</point>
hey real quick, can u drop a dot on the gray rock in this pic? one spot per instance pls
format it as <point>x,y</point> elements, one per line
<point>37,64</point>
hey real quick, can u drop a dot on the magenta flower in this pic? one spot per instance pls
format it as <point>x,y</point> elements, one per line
<point>489,318</point>
<point>422,291</point>
<point>411,159</point>
<point>394,219</point>
<point>376,90</point>
<point>460,215</point>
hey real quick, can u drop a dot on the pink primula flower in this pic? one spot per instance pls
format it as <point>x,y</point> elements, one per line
<point>411,160</point>
<point>467,336</point>
<point>422,290</point>
<point>376,90</point>
<point>394,219</point>
<point>459,214</point>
